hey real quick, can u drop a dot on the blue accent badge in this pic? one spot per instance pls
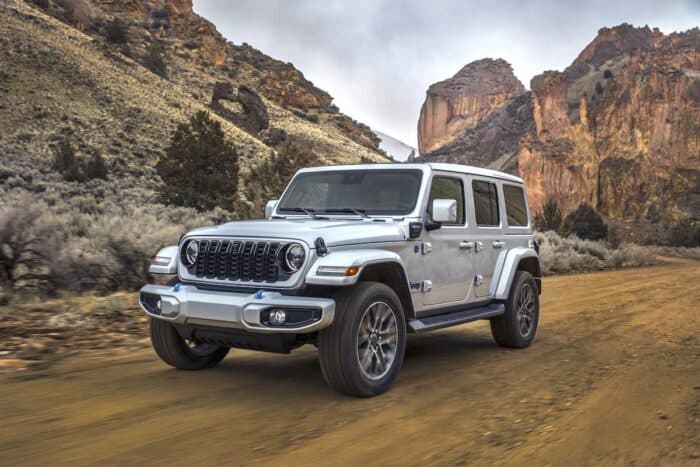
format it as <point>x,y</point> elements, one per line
<point>259,294</point>
<point>176,287</point>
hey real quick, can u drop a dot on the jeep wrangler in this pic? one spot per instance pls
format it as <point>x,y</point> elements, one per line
<point>351,259</point>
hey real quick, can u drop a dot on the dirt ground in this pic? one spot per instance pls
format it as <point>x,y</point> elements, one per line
<point>613,378</point>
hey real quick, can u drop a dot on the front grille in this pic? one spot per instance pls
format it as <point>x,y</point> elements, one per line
<point>238,260</point>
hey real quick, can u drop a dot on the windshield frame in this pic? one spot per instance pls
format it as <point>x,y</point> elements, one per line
<point>421,172</point>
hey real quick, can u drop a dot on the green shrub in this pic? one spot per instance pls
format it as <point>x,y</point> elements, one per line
<point>585,223</point>
<point>116,32</point>
<point>74,168</point>
<point>273,174</point>
<point>200,167</point>
<point>154,60</point>
<point>549,218</point>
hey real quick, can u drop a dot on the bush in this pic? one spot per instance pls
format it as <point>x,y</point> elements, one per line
<point>200,167</point>
<point>549,218</point>
<point>273,174</point>
<point>26,244</point>
<point>585,223</point>
<point>154,60</point>
<point>685,234</point>
<point>116,32</point>
<point>572,254</point>
<point>77,169</point>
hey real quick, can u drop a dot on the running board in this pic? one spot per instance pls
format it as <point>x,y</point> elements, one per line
<point>456,317</point>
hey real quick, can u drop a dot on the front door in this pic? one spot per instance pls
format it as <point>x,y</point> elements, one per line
<point>447,266</point>
<point>489,241</point>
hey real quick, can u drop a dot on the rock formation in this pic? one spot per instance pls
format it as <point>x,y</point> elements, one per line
<point>465,100</point>
<point>619,128</point>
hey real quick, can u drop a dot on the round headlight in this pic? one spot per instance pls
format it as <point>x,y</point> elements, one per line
<point>294,256</point>
<point>191,252</point>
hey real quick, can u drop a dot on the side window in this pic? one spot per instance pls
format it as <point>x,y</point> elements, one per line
<point>516,212</point>
<point>447,188</point>
<point>485,203</point>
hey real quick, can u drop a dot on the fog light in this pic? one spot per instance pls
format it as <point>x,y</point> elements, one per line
<point>278,317</point>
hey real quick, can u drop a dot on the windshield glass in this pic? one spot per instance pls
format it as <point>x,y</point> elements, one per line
<point>391,192</point>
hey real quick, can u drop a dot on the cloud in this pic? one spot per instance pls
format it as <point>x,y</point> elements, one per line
<point>377,57</point>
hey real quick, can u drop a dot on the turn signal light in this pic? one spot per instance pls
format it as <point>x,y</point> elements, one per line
<point>351,271</point>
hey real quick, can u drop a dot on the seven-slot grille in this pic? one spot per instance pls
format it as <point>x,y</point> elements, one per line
<point>239,260</point>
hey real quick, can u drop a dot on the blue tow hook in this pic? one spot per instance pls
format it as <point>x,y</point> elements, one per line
<point>176,287</point>
<point>259,294</point>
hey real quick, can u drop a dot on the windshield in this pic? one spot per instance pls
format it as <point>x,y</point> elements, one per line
<point>391,192</point>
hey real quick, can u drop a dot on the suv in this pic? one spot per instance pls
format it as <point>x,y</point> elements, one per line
<point>352,259</point>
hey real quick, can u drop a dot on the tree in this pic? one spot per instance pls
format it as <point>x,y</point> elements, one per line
<point>154,60</point>
<point>585,223</point>
<point>274,173</point>
<point>200,167</point>
<point>24,240</point>
<point>116,32</point>
<point>549,218</point>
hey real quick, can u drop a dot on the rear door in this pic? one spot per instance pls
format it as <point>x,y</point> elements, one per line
<point>489,236</point>
<point>518,228</point>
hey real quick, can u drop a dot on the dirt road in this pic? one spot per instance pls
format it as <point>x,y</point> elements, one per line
<point>613,377</point>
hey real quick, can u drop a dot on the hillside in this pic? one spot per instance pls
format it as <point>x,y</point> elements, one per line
<point>60,75</point>
<point>619,129</point>
<point>114,79</point>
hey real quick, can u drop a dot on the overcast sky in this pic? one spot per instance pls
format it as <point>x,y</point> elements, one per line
<point>378,57</point>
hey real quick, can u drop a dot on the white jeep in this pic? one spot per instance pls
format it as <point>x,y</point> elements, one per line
<point>352,259</point>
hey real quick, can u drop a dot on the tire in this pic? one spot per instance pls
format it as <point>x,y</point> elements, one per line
<point>175,351</point>
<point>341,345</point>
<point>507,329</point>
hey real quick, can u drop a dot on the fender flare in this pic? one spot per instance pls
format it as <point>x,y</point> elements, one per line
<point>165,261</point>
<point>341,260</point>
<point>507,268</point>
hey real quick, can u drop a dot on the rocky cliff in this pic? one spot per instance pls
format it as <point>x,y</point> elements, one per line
<point>464,101</point>
<point>619,128</point>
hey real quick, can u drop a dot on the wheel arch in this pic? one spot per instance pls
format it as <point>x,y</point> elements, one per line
<point>517,259</point>
<point>391,274</point>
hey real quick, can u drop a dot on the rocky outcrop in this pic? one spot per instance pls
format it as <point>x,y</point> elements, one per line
<point>492,143</point>
<point>462,102</point>
<point>619,129</point>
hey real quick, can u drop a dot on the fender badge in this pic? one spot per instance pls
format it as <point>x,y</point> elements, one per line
<point>176,287</point>
<point>259,294</point>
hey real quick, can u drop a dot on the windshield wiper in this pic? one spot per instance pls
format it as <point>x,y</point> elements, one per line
<point>308,211</point>
<point>358,212</point>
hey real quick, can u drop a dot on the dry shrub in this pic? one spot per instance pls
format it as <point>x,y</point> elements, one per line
<point>571,254</point>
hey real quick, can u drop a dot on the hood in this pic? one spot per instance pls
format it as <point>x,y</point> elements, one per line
<point>335,232</point>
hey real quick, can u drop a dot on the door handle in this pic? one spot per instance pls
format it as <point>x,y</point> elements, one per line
<point>498,244</point>
<point>467,245</point>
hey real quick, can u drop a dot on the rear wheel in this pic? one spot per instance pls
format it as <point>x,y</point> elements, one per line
<point>184,354</point>
<point>517,326</point>
<point>362,351</point>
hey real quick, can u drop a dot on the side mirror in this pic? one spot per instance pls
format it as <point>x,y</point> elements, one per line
<point>445,211</point>
<point>270,207</point>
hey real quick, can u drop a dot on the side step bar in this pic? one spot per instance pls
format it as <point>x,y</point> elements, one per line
<point>456,317</point>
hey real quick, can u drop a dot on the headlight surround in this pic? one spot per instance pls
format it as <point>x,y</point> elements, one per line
<point>190,252</point>
<point>293,257</point>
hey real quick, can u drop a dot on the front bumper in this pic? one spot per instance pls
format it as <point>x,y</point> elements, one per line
<point>186,304</point>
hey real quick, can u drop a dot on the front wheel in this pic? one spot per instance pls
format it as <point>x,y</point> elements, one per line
<point>184,354</point>
<point>361,352</point>
<point>517,326</point>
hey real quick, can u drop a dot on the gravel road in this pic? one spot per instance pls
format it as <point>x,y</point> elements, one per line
<point>612,378</point>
